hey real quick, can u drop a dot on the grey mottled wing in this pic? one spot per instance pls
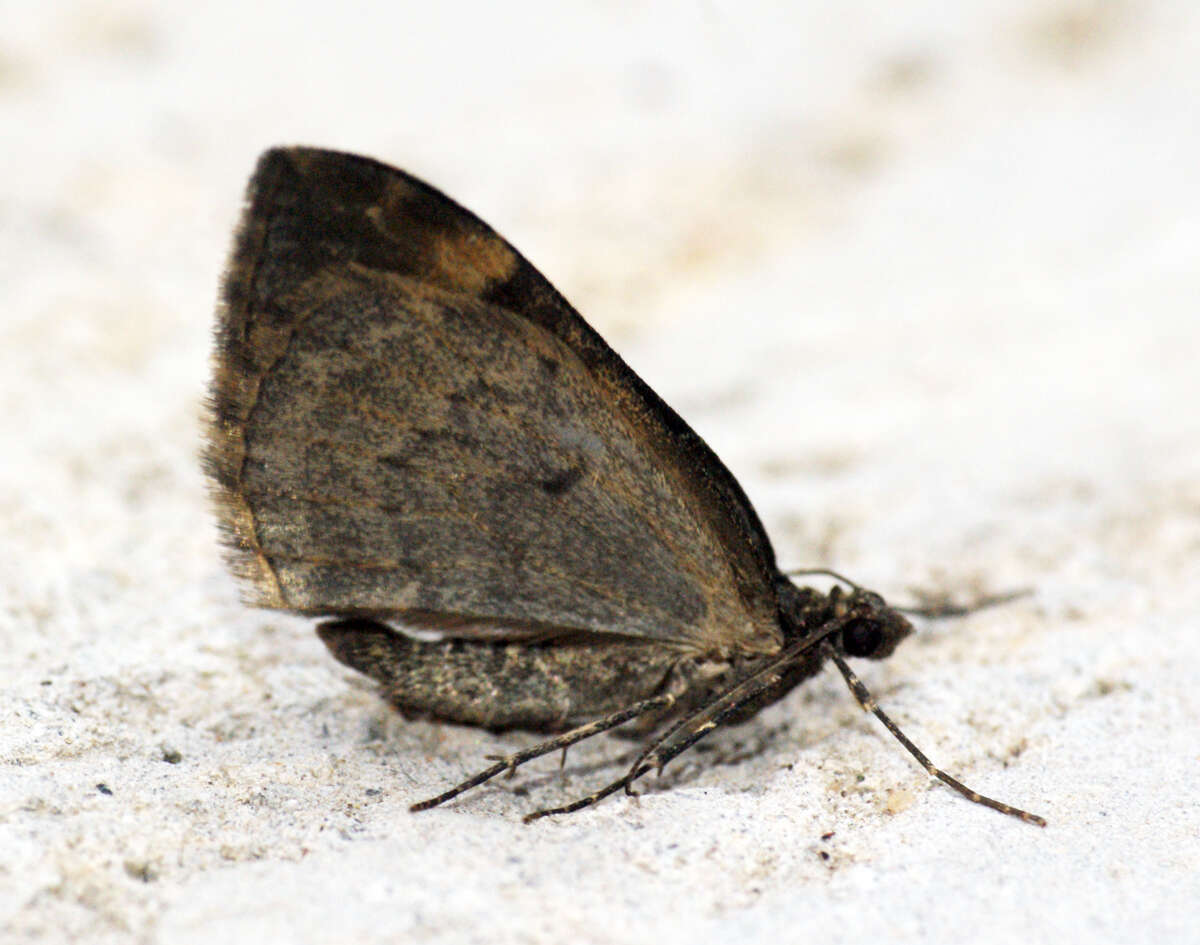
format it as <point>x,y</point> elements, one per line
<point>409,422</point>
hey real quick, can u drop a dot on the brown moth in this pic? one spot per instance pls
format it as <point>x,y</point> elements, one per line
<point>411,429</point>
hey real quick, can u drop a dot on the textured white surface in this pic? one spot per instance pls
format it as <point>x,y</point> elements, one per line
<point>924,274</point>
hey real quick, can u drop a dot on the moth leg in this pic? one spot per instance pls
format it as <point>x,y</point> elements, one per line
<point>685,733</point>
<point>867,701</point>
<point>640,766</point>
<point>734,700</point>
<point>579,804</point>
<point>694,727</point>
<point>563,741</point>
<point>688,731</point>
<point>625,781</point>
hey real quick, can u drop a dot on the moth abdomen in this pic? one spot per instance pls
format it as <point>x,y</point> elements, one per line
<point>542,686</point>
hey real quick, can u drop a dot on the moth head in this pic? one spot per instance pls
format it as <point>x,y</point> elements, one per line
<point>857,622</point>
<point>870,628</point>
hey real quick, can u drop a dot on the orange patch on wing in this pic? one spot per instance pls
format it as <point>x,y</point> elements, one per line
<point>473,261</point>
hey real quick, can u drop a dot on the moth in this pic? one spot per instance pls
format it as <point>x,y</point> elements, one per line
<point>412,430</point>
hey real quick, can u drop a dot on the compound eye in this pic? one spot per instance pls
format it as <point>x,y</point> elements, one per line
<point>861,638</point>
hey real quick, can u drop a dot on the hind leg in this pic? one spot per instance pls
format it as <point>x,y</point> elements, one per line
<point>507,685</point>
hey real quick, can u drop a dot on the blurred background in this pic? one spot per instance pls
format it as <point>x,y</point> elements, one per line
<point>924,274</point>
<point>748,200</point>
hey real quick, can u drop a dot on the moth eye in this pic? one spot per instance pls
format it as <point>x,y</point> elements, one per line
<point>861,638</point>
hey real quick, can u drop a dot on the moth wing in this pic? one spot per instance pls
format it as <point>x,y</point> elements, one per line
<point>410,423</point>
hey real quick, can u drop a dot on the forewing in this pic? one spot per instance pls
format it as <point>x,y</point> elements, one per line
<point>409,422</point>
